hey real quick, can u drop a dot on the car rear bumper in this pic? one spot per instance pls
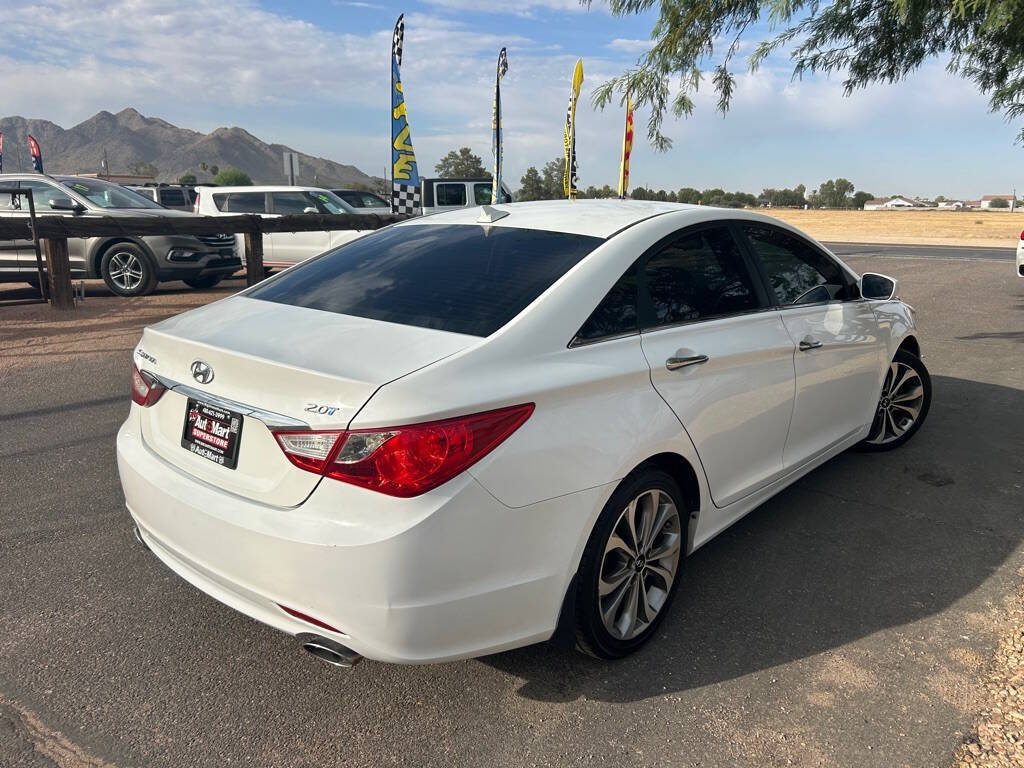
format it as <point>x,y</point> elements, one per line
<point>450,574</point>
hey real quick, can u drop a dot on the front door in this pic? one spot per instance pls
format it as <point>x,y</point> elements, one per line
<point>839,353</point>
<point>719,356</point>
<point>42,193</point>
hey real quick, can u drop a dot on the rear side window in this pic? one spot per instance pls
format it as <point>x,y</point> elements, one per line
<point>460,278</point>
<point>450,194</point>
<point>241,202</point>
<point>698,276</point>
<point>616,315</point>
<point>172,197</point>
<point>482,194</point>
<point>798,272</point>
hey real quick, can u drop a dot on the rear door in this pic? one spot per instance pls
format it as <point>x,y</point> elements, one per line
<point>293,247</point>
<point>719,356</point>
<point>839,352</point>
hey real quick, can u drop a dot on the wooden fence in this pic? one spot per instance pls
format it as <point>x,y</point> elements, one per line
<point>53,232</point>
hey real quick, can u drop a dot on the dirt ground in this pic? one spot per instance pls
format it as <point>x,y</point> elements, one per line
<point>979,228</point>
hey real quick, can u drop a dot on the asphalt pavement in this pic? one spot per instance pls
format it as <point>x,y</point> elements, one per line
<point>972,253</point>
<point>847,622</point>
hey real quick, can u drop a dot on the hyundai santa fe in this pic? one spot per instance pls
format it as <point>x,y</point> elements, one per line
<point>498,426</point>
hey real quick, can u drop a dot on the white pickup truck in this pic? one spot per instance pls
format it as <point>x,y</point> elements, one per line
<point>451,194</point>
<point>280,249</point>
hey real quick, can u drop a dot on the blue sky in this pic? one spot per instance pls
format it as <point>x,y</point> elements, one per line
<point>315,75</point>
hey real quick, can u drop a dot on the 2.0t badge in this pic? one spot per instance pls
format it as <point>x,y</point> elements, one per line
<point>202,372</point>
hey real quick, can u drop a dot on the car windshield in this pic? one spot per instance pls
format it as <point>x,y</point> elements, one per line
<point>103,194</point>
<point>461,278</point>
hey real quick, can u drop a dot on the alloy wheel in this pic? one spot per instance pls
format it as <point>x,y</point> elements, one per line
<point>899,405</point>
<point>639,564</point>
<point>125,270</point>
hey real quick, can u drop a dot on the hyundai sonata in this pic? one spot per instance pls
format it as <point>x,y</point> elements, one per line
<point>504,425</point>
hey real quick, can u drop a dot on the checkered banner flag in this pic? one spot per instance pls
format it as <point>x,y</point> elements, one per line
<point>398,39</point>
<point>405,177</point>
<point>570,179</point>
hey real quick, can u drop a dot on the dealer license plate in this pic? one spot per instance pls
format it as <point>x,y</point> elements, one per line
<point>213,433</point>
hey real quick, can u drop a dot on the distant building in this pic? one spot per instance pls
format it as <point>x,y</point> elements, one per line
<point>972,204</point>
<point>121,178</point>
<point>987,200</point>
<point>955,205</point>
<point>896,202</point>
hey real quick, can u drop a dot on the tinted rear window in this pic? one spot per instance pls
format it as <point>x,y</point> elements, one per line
<point>460,278</point>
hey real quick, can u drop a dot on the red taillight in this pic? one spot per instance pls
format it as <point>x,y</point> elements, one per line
<point>407,460</point>
<point>146,390</point>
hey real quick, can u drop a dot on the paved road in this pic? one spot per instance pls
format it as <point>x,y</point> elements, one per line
<point>844,623</point>
<point>932,251</point>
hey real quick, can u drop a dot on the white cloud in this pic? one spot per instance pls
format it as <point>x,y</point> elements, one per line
<point>515,7</point>
<point>626,45</point>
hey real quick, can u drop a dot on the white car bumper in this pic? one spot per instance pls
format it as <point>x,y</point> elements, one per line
<point>450,574</point>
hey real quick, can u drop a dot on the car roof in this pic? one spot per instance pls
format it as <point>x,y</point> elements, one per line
<point>595,218</point>
<point>264,188</point>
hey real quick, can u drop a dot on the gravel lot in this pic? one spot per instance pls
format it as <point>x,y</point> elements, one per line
<point>870,615</point>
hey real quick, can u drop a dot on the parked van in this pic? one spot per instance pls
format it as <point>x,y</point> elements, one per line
<point>177,196</point>
<point>451,194</point>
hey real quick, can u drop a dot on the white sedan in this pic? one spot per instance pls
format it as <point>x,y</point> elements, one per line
<point>479,430</point>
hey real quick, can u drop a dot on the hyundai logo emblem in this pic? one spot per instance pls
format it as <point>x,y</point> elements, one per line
<point>202,372</point>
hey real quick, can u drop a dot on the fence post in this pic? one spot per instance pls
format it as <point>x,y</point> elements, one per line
<point>253,257</point>
<point>58,269</point>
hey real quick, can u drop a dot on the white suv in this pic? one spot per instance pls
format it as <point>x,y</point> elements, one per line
<point>280,249</point>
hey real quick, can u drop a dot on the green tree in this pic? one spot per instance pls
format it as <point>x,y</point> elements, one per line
<point>999,204</point>
<point>862,197</point>
<point>203,167</point>
<point>532,186</point>
<point>214,170</point>
<point>835,193</point>
<point>187,178</point>
<point>551,176</point>
<point>143,169</point>
<point>688,195</point>
<point>640,193</point>
<point>461,163</point>
<point>232,177</point>
<point>867,41</point>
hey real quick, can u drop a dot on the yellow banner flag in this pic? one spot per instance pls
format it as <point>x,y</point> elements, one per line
<point>569,179</point>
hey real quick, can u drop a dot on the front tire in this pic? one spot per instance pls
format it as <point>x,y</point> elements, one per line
<point>203,282</point>
<point>902,405</point>
<point>631,565</point>
<point>127,270</point>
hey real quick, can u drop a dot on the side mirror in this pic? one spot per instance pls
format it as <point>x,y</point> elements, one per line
<point>310,209</point>
<point>66,204</point>
<point>875,287</point>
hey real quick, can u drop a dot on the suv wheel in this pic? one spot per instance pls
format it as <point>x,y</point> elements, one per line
<point>205,281</point>
<point>127,270</point>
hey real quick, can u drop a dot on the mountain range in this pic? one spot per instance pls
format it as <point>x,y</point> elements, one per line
<point>133,141</point>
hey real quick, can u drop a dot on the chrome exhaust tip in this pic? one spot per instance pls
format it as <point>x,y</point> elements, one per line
<point>138,537</point>
<point>329,651</point>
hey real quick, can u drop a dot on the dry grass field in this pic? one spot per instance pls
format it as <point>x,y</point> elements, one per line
<point>931,227</point>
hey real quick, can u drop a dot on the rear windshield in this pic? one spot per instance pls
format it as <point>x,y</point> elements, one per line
<point>461,278</point>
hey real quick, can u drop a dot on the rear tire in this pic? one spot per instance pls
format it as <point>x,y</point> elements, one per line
<point>631,566</point>
<point>203,282</point>
<point>902,405</point>
<point>127,270</point>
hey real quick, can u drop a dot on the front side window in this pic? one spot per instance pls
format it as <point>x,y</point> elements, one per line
<point>241,202</point>
<point>798,272</point>
<point>699,275</point>
<point>292,202</point>
<point>450,194</point>
<point>42,194</point>
<point>460,278</point>
<point>103,194</point>
<point>616,315</point>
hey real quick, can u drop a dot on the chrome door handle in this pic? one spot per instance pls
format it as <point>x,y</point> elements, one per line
<point>808,344</point>
<point>675,363</point>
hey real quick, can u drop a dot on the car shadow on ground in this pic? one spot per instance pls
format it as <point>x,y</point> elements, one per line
<point>864,543</point>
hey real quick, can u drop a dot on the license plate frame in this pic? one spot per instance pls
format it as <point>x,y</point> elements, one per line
<point>219,441</point>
